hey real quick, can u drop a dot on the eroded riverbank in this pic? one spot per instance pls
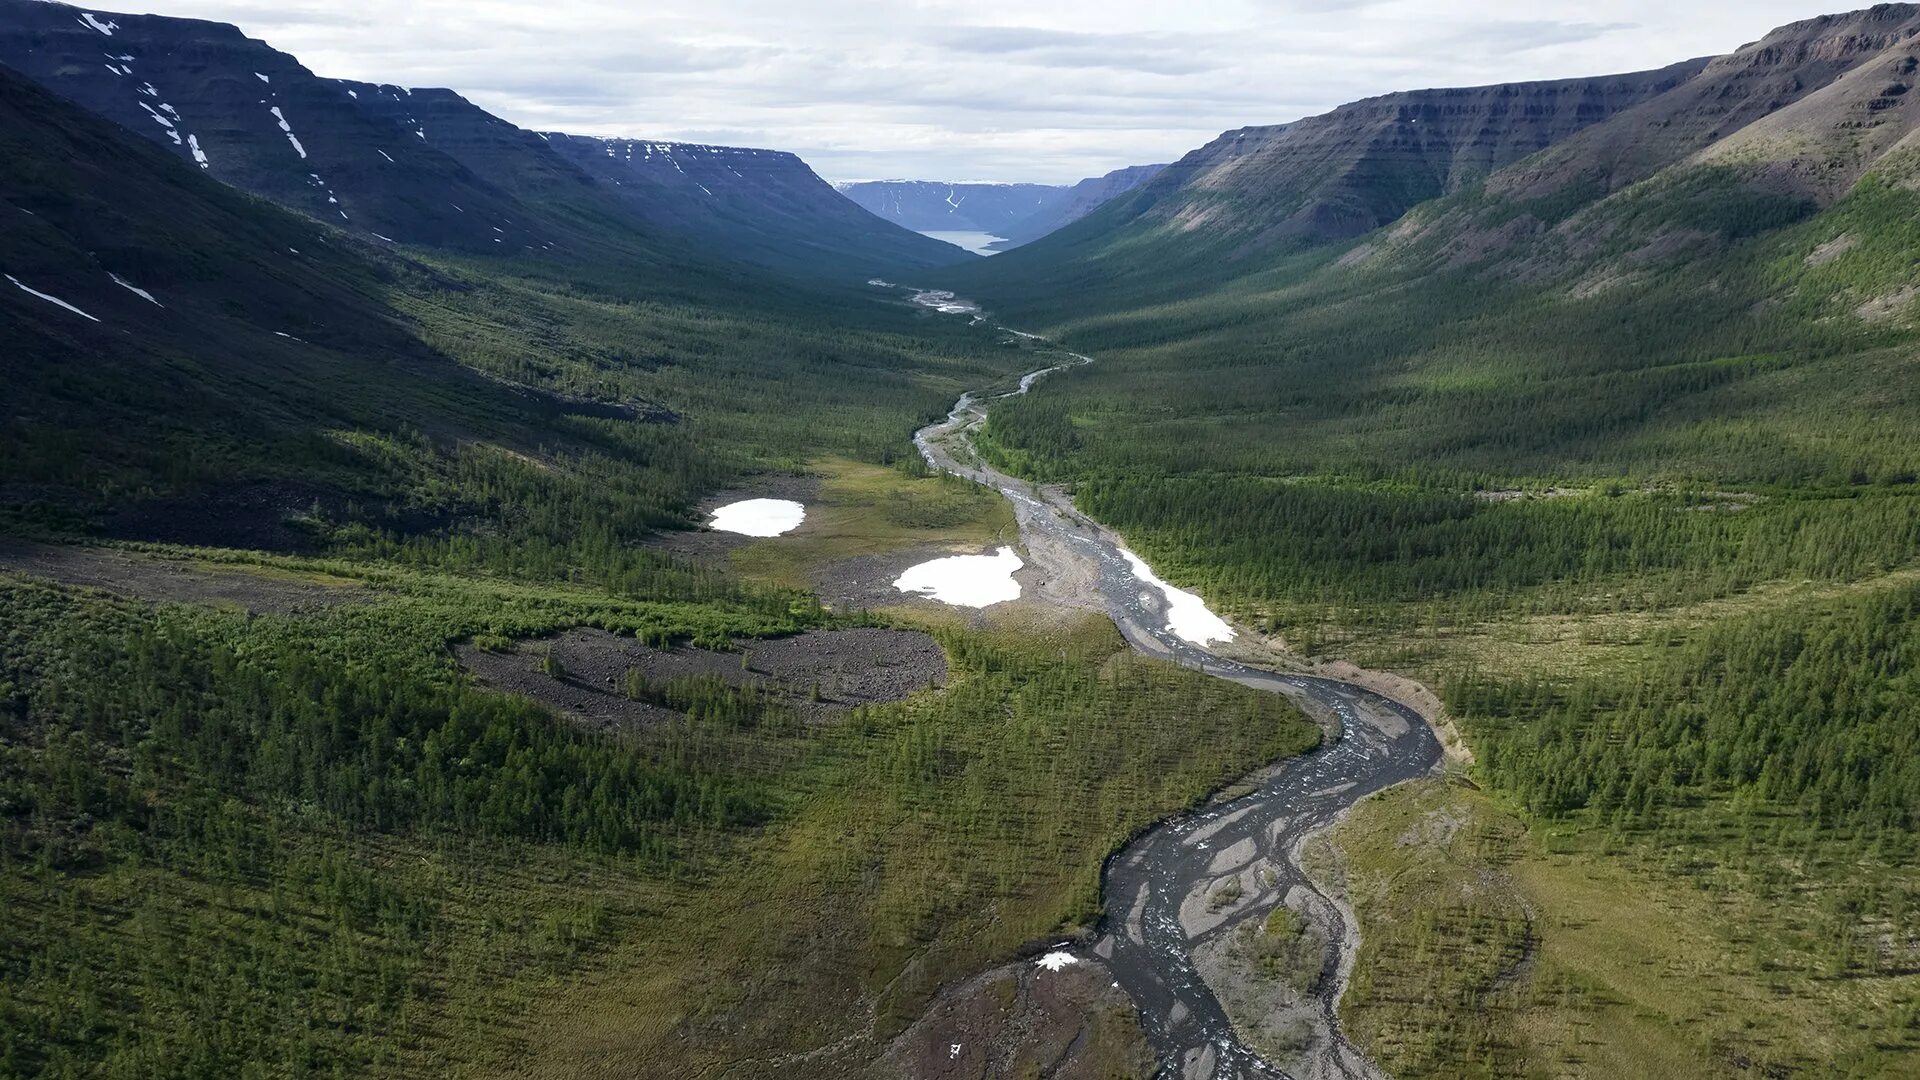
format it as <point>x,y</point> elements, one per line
<point>1179,890</point>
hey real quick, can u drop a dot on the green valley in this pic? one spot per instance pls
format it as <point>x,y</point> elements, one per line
<point>380,694</point>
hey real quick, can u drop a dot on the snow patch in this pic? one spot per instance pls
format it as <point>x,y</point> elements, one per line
<point>1057,960</point>
<point>87,18</point>
<point>199,155</point>
<point>51,299</point>
<point>386,155</point>
<point>288,128</point>
<point>974,581</point>
<point>135,290</point>
<point>758,517</point>
<point>261,77</point>
<point>1188,616</point>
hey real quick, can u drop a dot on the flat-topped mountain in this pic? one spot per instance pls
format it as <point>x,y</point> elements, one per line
<point>761,205</point>
<point>1363,165</point>
<point>1020,213</point>
<point>1542,178</point>
<point>257,119</point>
<point>1079,200</point>
<point>941,206</point>
<point>423,166</point>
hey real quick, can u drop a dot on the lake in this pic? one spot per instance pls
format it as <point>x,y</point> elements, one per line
<point>972,240</point>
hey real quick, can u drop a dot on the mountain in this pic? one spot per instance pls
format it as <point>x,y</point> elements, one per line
<point>1081,199</point>
<point>188,362</point>
<point>166,333</point>
<point>255,118</point>
<point>939,206</point>
<point>1362,165</point>
<point>1580,179</point>
<point>1732,92</point>
<point>764,206</point>
<point>415,166</point>
<point>1762,138</point>
<point>1323,179</point>
<point>1020,213</point>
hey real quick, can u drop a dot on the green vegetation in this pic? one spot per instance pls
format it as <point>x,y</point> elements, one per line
<point>308,844</point>
<point>1286,947</point>
<point>1643,511</point>
<point>1492,949</point>
<point>863,509</point>
<point>325,802</point>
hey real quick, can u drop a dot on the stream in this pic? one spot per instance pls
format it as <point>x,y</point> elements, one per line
<point>1162,893</point>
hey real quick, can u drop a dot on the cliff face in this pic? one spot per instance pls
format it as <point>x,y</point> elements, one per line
<point>1363,165</point>
<point>1585,184</point>
<point>1730,93</point>
<point>1763,137</point>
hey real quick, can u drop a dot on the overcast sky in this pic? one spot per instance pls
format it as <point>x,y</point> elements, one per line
<point>1040,90</point>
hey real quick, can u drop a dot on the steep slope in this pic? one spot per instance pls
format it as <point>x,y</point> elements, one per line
<point>762,206</point>
<point>1082,199</point>
<point>167,335</point>
<point>257,119</point>
<point>1730,93</point>
<point>189,362</point>
<point>1362,165</point>
<point>1260,193</point>
<point>1765,137</point>
<point>940,206</point>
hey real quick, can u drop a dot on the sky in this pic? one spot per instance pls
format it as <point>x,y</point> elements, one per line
<point>1017,90</point>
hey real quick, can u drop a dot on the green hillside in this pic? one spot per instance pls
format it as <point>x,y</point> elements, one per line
<point>1622,467</point>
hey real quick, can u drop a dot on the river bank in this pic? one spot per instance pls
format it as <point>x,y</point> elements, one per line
<point>1195,879</point>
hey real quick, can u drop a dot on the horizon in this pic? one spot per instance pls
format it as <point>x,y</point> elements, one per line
<point>862,91</point>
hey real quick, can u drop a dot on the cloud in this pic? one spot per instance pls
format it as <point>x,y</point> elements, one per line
<point>1158,54</point>
<point>1047,90</point>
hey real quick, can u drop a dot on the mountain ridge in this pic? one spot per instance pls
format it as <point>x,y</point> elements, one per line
<point>407,165</point>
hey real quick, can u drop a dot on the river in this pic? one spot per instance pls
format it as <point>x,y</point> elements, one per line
<point>1156,890</point>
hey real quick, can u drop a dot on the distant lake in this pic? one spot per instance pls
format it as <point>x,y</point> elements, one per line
<point>975,242</point>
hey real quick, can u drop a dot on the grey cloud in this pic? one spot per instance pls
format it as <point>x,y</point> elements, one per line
<point>1158,54</point>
